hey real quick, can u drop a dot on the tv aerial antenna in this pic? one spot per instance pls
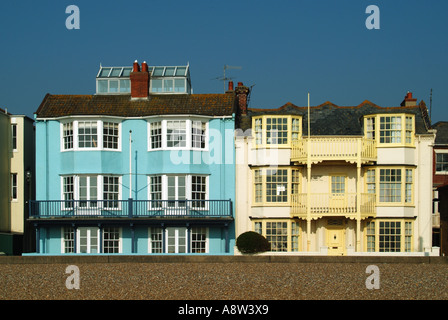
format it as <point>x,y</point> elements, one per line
<point>224,78</point>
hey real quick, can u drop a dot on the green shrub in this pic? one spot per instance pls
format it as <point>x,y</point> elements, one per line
<point>252,242</point>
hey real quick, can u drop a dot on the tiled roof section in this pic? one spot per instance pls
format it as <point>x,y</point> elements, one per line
<point>442,132</point>
<point>330,119</point>
<point>122,106</point>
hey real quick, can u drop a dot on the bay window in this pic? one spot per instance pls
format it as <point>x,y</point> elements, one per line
<point>88,191</point>
<point>177,189</point>
<point>278,131</point>
<point>389,235</point>
<point>90,135</point>
<point>391,129</point>
<point>275,186</point>
<point>283,235</point>
<point>394,185</point>
<point>178,134</point>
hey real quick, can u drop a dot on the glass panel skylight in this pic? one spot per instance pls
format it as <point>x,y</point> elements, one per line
<point>181,71</point>
<point>126,72</point>
<point>115,72</point>
<point>104,72</point>
<point>169,71</point>
<point>158,71</point>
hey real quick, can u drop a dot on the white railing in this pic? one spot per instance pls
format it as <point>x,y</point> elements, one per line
<point>332,204</point>
<point>334,148</point>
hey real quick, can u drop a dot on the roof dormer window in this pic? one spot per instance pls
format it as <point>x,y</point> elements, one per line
<point>113,80</point>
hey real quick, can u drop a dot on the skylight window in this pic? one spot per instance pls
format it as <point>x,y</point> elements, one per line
<point>171,79</point>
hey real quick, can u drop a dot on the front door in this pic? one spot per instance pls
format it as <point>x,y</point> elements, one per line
<point>335,237</point>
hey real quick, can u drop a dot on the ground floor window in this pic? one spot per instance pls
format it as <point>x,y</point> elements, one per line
<point>283,235</point>
<point>387,235</point>
<point>88,240</point>
<point>178,240</point>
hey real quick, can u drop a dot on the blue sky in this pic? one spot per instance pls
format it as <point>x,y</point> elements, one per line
<point>285,48</point>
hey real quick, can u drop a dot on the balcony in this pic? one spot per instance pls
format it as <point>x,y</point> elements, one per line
<point>131,209</point>
<point>317,149</point>
<point>328,204</point>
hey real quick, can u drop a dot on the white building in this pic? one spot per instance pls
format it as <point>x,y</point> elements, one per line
<point>343,181</point>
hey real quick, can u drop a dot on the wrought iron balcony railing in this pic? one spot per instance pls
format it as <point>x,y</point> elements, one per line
<point>130,208</point>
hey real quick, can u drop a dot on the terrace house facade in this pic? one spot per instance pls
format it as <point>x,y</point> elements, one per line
<point>144,166</point>
<point>337,180</point>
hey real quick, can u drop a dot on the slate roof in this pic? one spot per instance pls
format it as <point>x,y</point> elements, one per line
<point>330,119</point>
<point>442,132</point>
<point>122,106</point>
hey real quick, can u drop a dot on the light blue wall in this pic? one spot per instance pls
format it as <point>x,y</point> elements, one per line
<point>51,163</point>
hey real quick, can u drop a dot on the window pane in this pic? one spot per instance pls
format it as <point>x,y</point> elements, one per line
<point>168,85</point>
<point>181,71</point>
<point>156,135</point>
<point>104,72</point>
<point>277,185</point>
<point>156,85</point>
<point>113,85</point>
<point>125,85</point>
<point>103,86</point>
<point>110,135</point>
<point>169,71</point>
<point>179,85</point>
<point>176,134</point>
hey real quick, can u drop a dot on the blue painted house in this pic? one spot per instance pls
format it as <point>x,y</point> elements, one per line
<point>144,166</point>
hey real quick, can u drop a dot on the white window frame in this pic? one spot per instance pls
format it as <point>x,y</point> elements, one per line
<point>189,134</point>
<point>103,231</point>
<point>89,238</point>
<point>206,239</point>
<point>436,152</point>
<point>64,240</point>
<point>100,191</point>
<point>150,240</point>
<point>188,186</point>
<point>176,239</point>
<point>100,134</point>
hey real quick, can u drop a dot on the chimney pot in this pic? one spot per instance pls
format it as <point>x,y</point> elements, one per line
<point>409,100</point>
<point>144,67</point>
<point>240,84</point>
<point>230,85</point>
<point>136,67</point>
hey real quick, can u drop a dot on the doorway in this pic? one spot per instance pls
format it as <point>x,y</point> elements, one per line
<point>336,237</point>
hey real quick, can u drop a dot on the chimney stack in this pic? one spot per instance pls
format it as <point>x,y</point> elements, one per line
<point>408,100</point>
<point>242,93</point>
<point>139,81</point>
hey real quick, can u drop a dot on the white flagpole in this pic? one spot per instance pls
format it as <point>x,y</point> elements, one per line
<point>308,115</point>
<point>130,164</point>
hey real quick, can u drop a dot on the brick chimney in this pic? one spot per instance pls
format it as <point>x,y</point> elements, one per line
<point>408,100</point>
<point>242,93</point>
<point>139,81</point>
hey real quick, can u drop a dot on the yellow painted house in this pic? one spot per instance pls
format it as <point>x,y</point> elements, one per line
<point>17,186</point>
<point>334,180</point>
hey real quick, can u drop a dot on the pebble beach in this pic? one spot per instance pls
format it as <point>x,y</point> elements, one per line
<point>224,281</point>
